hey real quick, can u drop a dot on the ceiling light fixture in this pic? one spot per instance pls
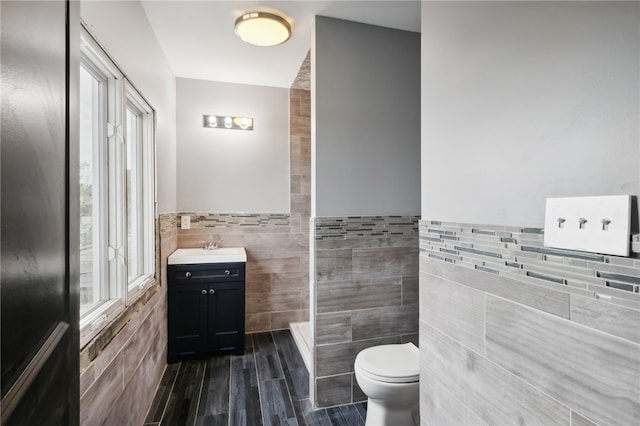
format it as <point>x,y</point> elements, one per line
<point>263,29</point>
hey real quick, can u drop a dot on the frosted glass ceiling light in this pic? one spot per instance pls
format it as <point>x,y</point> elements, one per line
<point>263,29</point>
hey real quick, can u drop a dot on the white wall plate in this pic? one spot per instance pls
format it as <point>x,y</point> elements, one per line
<point>594,224</point>
<point>185,222</point>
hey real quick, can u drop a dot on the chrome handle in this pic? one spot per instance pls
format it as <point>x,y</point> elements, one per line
<point>204,291</point>
<point>212,291</point>
<point>227,272</point>
<point>188,275</point>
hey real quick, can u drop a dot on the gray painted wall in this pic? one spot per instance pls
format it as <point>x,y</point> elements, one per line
<point>526,100</point>
<point>221,170</point>
<point>367,119</point>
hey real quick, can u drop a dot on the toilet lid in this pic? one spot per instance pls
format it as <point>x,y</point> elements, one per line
<point>390,363</point>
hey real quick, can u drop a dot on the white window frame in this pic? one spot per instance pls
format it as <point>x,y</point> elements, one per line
<point>146,241</point>
<point>117,94</point>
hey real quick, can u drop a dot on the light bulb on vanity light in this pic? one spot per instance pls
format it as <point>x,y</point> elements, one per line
<point>242,122</point>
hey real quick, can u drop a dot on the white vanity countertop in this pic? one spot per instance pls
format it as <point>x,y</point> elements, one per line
<point>186,256</point>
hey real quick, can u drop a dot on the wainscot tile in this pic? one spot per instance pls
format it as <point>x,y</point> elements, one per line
<point>411,338</point>
<point>494,394</point>
<point>356,394</point>
<point>339,357</point>
<point>270,302</point>
<point>439,407</point>
<point>543,298</point>
<point>258,322</point>
<point>288,281</point>
<point>596,374</point>
<point>131,405</point>
<point>612,319</point>
<point>281,320</point>
<point>382,322</point>
<point>333,390</point>
<point>332,265</point>
<point>333,328</point>
<point>385,262</point>
<point>338,296</point>
<point>410,287</point>
<point>95,404</point>
<point>368,242</point>
<point>455,310</point>
<point>579,420</point>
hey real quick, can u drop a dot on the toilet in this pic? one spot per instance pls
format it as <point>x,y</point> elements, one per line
<point>389,375</point>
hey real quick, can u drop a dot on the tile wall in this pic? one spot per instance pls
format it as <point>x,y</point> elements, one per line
<point>121,369</point>
<point>365,293</point>
<point>512,332</point>
<point>277,245</point>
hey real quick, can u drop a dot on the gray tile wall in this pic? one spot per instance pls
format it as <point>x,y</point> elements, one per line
<point>512,332</point>
<point>365,293</point>
<point>119,378</point>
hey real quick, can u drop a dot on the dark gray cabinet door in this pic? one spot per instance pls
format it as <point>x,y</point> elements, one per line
<point>206,309</point>
<point>38,287</point>
<point>187,319</point>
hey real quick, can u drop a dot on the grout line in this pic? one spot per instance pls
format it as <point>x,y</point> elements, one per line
<point>204,374</point>
<point>255,366</point>
<point>285,378</point>
<point>173,383</point>
<point>229,392</point>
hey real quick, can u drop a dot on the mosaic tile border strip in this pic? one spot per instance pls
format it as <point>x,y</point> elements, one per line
<point>350,227</point>
<point>229,220</point>
<point>519,253</point>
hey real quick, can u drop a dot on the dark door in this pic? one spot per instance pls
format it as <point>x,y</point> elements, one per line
<point>226,311</point>
<point>38,283</point>
<point>188,306</point>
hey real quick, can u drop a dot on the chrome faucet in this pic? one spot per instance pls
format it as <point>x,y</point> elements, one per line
<point>209,245</point>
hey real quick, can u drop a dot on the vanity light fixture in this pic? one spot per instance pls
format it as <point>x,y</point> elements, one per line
<point>227,122</point>
<point>263,28</point>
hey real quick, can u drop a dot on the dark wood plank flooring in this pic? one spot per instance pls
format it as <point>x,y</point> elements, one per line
<point>268,385</point>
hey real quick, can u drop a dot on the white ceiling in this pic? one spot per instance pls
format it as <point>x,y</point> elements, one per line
<point>199,41</point>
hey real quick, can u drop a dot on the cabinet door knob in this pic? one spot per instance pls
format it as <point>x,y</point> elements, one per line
<point>227,272</point>
<point>188,275</point>
<point>212,291</point>
<point>204,291</point>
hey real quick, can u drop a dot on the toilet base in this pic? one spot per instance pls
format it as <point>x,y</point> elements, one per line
<point>381,415</point>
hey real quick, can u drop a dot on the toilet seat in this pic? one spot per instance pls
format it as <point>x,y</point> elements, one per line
<point>390,363</point>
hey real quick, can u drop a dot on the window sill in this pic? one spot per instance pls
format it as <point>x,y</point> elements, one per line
<point>92,348</point>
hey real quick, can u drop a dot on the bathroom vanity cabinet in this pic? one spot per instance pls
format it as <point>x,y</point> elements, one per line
<point>206,304</point>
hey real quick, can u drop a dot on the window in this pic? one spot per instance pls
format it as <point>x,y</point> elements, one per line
<point>92,267</point>
<point>140,194</point>
<point>117,190</point>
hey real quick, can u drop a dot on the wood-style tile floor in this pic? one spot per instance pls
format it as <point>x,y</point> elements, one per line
<point>268,385</point>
